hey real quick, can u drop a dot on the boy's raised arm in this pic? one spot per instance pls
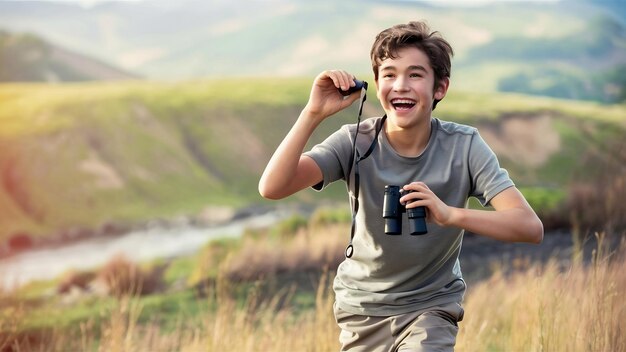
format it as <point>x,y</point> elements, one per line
<point>288,171</point>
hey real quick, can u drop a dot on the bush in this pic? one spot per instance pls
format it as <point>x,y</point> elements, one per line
<point>122,277</point>
<point>315,250</point>
<point>288,227</point>
<point>210,258</point>
<point>77,279</point>
<point>598,205</point>
<point>330,216</point>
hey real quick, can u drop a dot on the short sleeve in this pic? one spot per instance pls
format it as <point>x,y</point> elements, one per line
<point>332,156</point>
<point>488,178</point>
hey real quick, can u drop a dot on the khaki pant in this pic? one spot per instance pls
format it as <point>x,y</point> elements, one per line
<point>433,329</point>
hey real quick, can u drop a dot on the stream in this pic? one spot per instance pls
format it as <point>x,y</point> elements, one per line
<point>139,245</point>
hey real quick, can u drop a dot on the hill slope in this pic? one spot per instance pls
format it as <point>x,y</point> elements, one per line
<point>86,154</point>
<point>28,58</point>
<point>567,49</point>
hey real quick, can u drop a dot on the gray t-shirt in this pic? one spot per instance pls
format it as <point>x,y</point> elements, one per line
<point>395,274</point>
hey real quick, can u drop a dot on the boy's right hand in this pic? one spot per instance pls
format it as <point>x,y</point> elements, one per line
<point>325,99</point>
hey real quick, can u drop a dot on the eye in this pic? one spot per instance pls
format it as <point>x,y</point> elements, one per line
<point>415,75</point>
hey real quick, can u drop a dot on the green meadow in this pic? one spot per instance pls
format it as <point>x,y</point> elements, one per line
<point>89,154</point>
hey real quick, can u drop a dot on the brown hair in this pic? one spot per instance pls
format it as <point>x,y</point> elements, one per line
<point>417,35</point>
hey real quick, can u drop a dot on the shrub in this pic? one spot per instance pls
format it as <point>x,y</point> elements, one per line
<point>122,277</point>
<point>599,204</point>
<point>20,241</point>
<point>209,259</point>
<point>288,227</point>
<point>74,278</point>
<point>330,216</point>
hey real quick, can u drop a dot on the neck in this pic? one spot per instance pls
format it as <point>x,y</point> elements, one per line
<point>409,142</point>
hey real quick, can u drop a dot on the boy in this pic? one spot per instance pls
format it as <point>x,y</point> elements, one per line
<point>402,292</point>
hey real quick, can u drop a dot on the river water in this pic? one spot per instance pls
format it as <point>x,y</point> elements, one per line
<point>140,245</point>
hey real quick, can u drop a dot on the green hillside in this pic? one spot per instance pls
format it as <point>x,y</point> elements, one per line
<point>81,155</point>
<point>29,58</point>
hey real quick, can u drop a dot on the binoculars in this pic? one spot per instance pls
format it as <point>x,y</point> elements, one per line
<point>358,85</point>
<point>392,213</point>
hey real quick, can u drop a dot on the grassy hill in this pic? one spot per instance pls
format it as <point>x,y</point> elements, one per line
<point>29,58</point>
<point>83,155</point>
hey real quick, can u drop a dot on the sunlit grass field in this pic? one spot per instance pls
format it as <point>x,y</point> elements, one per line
<point>549,307</point>
<point>271,291</point>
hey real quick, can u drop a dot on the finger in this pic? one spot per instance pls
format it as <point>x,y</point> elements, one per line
<point>417,192</point>
<point>350,77</point>
<point>329,76</point>
<point>346,80</point>
<point>343,83</point>
<point>417,203</point>
<point>411,197</point>
<point>414,186</point>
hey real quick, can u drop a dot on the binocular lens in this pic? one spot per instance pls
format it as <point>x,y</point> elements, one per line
<point>392,213</point>
<point>417,220</point>
<point>391,202</point>
<point>393,226</point>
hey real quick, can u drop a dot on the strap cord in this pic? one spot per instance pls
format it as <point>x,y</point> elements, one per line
<point>355,158</point>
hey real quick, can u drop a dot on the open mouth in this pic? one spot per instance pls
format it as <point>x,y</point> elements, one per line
<point>402,104</point>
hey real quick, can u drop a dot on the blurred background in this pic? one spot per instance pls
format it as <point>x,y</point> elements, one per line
<point>136,131</point>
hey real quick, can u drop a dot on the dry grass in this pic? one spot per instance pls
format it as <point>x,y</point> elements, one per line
<point>305,251</point>
<point>540,308</point>
<point>547,308</point>
<point>122,277</point>
<point>11,314</point>
<point>265,326</point>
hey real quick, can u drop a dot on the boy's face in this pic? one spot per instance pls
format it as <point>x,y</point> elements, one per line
<point>405,88</point>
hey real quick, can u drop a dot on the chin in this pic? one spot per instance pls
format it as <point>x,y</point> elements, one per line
<point>404,120</point>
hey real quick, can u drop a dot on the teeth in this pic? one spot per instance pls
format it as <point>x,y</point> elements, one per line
<point>402,104</point>
<point>402,101</point>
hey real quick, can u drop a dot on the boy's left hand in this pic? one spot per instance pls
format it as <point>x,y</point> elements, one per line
<point>437,211</point>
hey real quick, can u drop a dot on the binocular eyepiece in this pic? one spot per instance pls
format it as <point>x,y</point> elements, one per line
<point>392,213</point>
<point>358,85</point>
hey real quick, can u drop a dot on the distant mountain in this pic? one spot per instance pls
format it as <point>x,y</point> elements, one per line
<point>587,64</point>
<point>570,49</point>
<point>615,8</point>
<point>28,58</point>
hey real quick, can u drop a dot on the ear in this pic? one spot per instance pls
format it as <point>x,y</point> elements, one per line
<point>377,89</point>
<point>441,89</point>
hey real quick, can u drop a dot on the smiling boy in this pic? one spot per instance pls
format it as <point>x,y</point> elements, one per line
<point>402,292</point>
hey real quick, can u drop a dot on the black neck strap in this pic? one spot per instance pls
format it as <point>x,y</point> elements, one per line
<point>355,158</point>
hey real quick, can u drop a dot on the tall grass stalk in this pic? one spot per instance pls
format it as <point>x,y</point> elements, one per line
<point>547,308</point>
<point>11,315</point>
<point>120,333</point>
<point>267,325</point>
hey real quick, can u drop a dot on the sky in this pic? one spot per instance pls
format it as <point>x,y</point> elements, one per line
<point>465,3</point>
<point>456,2</point>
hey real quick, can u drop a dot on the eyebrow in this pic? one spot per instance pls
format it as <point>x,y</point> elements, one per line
<point>411,68</point>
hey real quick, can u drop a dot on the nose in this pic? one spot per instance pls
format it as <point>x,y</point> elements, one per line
<point>400,84</point>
